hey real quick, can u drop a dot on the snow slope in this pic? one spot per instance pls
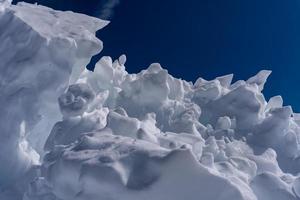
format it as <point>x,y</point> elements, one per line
<point>110,135</point>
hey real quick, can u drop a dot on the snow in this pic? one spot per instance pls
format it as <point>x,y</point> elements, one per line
<point>68,133</point>
<point>41,51</point>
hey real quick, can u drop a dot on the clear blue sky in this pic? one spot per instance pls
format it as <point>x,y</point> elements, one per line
<point>205,38</point>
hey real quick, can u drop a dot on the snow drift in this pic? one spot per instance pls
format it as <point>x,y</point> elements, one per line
<point>68,133</point>
<point>41,51</point>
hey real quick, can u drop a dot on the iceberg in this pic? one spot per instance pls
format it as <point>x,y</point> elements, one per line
<point>68,133</point>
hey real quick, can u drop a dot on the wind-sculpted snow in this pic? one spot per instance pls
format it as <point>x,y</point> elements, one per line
<point>41,51</point>
<point>110,135</point>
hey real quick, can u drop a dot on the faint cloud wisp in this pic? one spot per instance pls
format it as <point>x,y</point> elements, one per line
<point>106,9</point>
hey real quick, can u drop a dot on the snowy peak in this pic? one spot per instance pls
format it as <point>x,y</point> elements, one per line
<point>51,24</point>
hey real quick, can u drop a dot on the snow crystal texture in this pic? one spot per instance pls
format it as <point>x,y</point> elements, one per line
<point>71,134</point>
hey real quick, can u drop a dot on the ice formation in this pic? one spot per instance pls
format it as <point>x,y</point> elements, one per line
<point>71,134</point>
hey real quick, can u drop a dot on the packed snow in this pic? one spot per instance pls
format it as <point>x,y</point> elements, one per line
<point>68,133</point>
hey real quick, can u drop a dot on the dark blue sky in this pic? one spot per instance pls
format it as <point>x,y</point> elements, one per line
<point>206,38</point>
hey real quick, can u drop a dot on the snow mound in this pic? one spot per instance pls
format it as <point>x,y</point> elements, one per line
<point>41,52</point>
<point>69,133</point>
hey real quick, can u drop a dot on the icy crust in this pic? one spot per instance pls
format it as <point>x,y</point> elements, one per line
<point>4,4</point>
<point>152,136</point>
<point>41,52</point>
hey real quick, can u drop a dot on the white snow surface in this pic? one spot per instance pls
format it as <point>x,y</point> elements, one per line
<point>71,134</point>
